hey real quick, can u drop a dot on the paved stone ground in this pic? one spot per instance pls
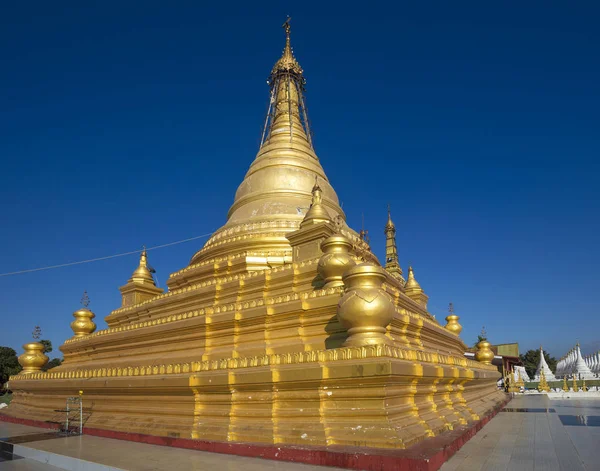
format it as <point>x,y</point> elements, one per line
<point>106,454</point>
<point>531,433</point>
<point>534,433</point>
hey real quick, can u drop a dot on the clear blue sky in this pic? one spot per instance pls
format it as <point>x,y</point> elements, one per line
<point>129,123</point>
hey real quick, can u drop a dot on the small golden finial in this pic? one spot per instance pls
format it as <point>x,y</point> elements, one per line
<point>452,321</point>
<point>364,234</point>
<point>317,193</point>
<point>390,224</point>
<point>85,300</point>
<point>37,332</point>
<point>143,273</point>
<point>411,281</point>
<point>316,213</point>
<point>33,360</point>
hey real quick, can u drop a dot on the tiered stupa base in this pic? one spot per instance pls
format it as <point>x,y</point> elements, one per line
<point>375,396</point>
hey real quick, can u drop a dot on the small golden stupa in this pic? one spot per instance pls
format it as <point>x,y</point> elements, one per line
<point>543,384</point>
<point>284,328</point>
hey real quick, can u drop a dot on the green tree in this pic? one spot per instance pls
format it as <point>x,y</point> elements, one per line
<point>47,345</point>
<point>52,363</point>
<point>9,364</point>
<point>531,360</point>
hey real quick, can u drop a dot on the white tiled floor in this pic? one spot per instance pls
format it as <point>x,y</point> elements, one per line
<point>519,441</point>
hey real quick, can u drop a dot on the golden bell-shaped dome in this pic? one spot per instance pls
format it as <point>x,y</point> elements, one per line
<point>484,353</point>
<point>365,310</point>
<point>453,325</point>
<point>335,261</point>
<point>452,321</point>
<point>83,324</point>
<point>34,359</point>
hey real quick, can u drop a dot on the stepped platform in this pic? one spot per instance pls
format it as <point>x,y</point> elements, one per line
<point>35,440</point>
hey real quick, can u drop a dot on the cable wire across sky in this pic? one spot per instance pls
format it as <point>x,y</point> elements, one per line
<point>80,262</point>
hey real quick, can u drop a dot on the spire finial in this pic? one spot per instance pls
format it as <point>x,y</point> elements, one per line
<point>317,193</point>
<point>287,52</point>
<point>143,273</point>
<point>392,263</point>
<point>143,257</point>
<point>390,225</point>
<point>287,63</point>
<point>450,306</point>
<point>317,212</point>
<point>287,27</point>
<point>85,300</point>
<point>411,282</point>
<point>363,234</point>
<point>37,332</point>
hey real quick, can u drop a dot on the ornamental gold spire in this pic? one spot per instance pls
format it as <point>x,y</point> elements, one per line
<point>413,289</point>
<point>141,286</point>
<point>392,264</point>
<point>288,62</point>
<point>411,282</point>
<point>287,110</point>
<point>317,213</point>
<point>276,192</point>
<point>143,273</point>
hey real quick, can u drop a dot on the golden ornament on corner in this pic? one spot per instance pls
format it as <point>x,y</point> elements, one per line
<point>484,353</point>
<point>34,359</point>
<point>453,325</point>
<point>335,261</point>
<point>365,310</point>
<point>83,324</point>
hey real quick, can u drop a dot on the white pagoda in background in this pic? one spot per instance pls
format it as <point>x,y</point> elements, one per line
<point>573,363</point>
<point>593,362</point>
<point>543,366</point>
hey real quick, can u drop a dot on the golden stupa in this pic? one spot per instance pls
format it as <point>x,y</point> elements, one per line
<point>284,328</point>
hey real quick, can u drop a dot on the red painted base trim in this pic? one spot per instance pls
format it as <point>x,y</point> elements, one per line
<point>428,455</point>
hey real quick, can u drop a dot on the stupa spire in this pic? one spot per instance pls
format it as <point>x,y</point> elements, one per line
<point>287,62</point>
<point>317,213</point>
<point>276,192</point>
<point>412,282</point>
<point>413,289</point>
<point>143,273</point>
<point>392,265</point>
<point>287,110</point>
<point>141,286</point>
